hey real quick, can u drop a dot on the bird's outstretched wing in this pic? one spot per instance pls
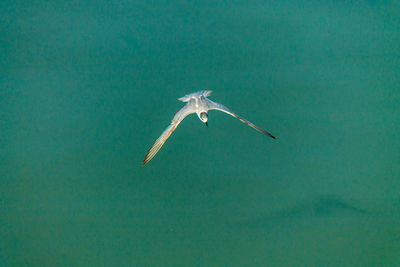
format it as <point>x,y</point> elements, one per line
<point>216,106</point>
<point>179,116</point>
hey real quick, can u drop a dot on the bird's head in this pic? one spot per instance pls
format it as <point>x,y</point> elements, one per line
<point>204,117</point>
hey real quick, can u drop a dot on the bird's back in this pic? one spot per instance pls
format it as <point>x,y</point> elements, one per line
<point>187,98</point>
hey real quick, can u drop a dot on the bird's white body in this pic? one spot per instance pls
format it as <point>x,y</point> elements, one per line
<point>195,103</point>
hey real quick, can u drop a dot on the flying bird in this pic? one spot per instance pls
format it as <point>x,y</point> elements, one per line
<point>195,103</point>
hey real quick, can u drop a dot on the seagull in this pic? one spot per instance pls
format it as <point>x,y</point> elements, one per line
<point>195,103</point>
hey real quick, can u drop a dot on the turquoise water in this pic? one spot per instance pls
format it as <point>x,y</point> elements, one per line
<point>86,88</point>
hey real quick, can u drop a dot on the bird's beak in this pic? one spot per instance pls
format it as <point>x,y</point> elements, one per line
<point>206,124</point>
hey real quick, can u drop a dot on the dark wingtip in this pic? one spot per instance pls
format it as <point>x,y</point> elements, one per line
<point>268,134</point>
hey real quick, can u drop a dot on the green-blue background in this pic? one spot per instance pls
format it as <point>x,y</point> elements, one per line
<point>87,86</point>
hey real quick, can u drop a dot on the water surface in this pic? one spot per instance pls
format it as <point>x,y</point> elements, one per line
<point>87,87</point>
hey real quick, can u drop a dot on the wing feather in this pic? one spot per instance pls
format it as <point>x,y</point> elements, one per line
<point>179,116</point>
<point>216,106</point>
<point>158,143</point>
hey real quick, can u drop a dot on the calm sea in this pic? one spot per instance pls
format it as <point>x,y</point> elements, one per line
<point>87,86</point>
